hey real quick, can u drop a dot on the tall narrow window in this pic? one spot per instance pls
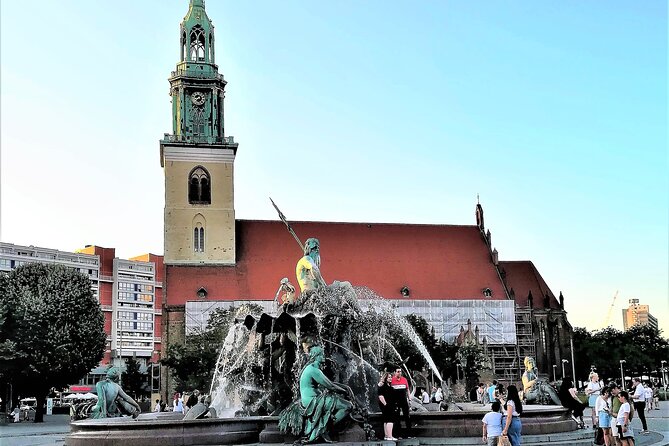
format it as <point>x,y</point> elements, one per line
<point>199,186</point>
<point>198,121</point>
<point>198,238</point>
<point>197,44</point>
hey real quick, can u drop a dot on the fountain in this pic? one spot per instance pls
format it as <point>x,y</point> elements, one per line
<point>267,358</point>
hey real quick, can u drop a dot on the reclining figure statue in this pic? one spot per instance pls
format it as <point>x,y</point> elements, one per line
<point>112,400</point>
<point>537,390</point>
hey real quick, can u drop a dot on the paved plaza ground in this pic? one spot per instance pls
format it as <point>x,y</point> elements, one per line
<point>55,427</point>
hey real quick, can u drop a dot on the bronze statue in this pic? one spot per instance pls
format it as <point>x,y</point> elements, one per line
<point>112,400</point>
<point>536,390</point>
<point>321,404</point>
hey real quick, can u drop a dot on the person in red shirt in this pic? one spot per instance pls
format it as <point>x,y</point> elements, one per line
<point>400,386</point>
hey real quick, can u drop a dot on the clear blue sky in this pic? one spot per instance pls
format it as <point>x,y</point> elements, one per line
<point>554,112</point>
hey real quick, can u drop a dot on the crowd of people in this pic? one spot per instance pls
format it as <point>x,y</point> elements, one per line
<point>613,409</point>
<point>180,403</point>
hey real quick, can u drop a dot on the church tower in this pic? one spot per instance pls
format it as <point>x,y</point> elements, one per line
<point>197,157</point>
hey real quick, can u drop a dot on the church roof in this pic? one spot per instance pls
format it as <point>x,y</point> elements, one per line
<point>432,261</point>
<point>523,277</point>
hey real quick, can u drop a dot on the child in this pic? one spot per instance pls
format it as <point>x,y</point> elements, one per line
<point>492,424</point>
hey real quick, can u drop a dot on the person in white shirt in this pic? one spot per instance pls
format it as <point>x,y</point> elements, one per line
<point>592,390</point>
<point>649,397</point>
<point>425,397</point>
<point>157,407</point>
<point>492,424</point>
<point>603,411</point>
<point>639,400</point>
<point>439,395</point>
<point>623,420</point>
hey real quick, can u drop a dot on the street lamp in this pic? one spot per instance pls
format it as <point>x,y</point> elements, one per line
<point>622,375</point>
<point>663,369</point>
<point>564,361</point>
<point>554,367</point>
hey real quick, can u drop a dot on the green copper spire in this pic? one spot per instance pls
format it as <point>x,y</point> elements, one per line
<point>197,88</point>
<point>197,35</point>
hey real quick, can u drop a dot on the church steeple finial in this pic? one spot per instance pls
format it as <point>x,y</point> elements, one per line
<point>197,35</point>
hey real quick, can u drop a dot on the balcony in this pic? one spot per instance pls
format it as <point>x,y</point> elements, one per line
<point>198,139</point>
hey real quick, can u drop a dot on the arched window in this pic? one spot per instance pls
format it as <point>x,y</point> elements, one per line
<point>198,121</point>
<point>197,44</point>
<point>199,186</point>
<point>542,335</point>
<point>211,48</point>
<point>183,46</point>
<point>198,238</point>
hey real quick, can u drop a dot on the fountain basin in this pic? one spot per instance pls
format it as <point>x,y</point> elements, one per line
<point>169,430</point>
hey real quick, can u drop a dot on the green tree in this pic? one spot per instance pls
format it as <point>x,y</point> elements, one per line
<point>192,363</point>
<point>53,329</point>
<point>642,348</point>
<point>442,353</point>
<point>133,380</point>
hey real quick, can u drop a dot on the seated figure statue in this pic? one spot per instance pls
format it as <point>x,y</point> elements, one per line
<point>112,400</point>
<point>321,404</point>
<point>536,390</point>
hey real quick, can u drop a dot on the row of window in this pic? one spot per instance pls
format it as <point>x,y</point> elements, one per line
<point>135,325</point>
<point>138,316</point>
<point>122,295</point>
<point>133,334</point>
<point>136,344</point>
<point>135,287</point>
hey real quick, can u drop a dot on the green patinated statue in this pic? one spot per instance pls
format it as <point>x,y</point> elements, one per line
<point>112,400</point>
<point>321,404</point>
<point>536,390</point>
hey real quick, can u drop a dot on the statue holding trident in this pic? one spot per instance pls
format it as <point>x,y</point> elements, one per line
<point>312,285</point>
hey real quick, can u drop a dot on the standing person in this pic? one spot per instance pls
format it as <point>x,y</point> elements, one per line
<point>479,393</point>
<point>402,396</point>
<point>439,396</point>
<point>623,420</point>
<point>499,393</point>
<point>17,414</point>
<point>163,406</point>
<point>649,396</point>
<point>492,424</point>
<point>388,406</point>
<point>513,408</point>
<point>570,400</point>
<point>157,408</point>
<point>593,390</point>
<point>193,399</point>
<point>615,407</point>
<point>178,403</point>
<point>603,411</point>
<point>491,391</point>
<point>639,401</point>
<point>425,397</point>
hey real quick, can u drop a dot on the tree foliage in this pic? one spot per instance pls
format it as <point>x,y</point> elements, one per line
<point>52,330</point>
<point>442,353</point>
<point>192,363</point>
<point>133,380</point>
<point>642,348</point>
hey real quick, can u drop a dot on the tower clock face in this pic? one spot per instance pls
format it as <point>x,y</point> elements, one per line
<point>197,98</point>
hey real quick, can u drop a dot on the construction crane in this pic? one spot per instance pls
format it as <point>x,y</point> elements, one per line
<point>608,314</point>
